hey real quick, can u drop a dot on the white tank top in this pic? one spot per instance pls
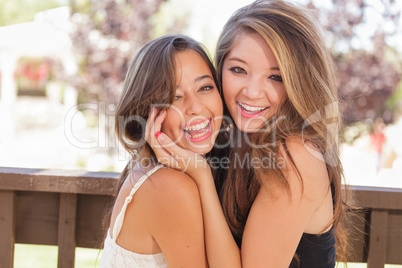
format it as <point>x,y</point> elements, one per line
<point>114,255</point>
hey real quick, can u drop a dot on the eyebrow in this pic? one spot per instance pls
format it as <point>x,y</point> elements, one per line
<point>203,77</point>
<point>244,62</point>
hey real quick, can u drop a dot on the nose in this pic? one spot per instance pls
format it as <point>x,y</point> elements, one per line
<point>194,106</point>
<point>253,87</point>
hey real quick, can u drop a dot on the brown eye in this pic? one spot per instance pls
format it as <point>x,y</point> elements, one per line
<point>277,78</point>
<point>238,70</point>
<point>206,88</point>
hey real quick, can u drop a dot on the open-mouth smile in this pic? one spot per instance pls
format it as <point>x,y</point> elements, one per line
<point>198,131</point>
<point>249,111</point>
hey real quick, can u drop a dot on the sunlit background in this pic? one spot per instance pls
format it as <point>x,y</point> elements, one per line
<point>62,63</point>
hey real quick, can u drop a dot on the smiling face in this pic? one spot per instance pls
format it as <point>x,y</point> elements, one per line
<point>252,82</point>
<point>194,118</point>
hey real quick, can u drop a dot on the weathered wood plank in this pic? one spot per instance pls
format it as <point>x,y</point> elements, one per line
<point>378,239</point>
<point>378,197</point>
<point>394,237</point>
<point>91,212</point>
<point>37,218</point>
<point>66,234</point>
<point>359,236</point>
<point>59,181</point>
<point>7,227</point>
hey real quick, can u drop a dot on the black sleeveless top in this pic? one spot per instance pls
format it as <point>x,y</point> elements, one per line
<point>316,251</point>
<point>313,251</point>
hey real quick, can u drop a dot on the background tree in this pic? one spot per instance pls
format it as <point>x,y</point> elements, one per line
<point>111,31</point>
<point>369,71</point>
<point>106,36</point>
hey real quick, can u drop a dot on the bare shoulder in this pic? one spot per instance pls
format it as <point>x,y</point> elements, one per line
<point>167,181</point>
<point>173,200</point>
<point>306,163</point>
<point>304,154</point>
<point>169,188</point>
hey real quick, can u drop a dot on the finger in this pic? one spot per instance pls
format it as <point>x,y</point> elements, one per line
<point>157,125</point>
<point>168,160</point>
<point>162,155</point>
<point>150,120</point>
<point>154,122</point>
<point>182,156</point>
<point>155,128</point>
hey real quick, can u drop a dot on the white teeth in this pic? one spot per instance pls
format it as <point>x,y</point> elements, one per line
<point>198,135</point>
<point>197,126</point>
<point>252,109</point>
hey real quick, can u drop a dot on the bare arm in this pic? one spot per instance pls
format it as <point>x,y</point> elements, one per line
<point>277,221</point>
<point>222,250</point>
<point>176,222</point>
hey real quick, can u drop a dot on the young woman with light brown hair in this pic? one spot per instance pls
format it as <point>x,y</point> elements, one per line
<point>280,90</point>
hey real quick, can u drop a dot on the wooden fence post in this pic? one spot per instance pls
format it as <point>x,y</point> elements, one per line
<point>378,238</point>
<point>7,227</point>
<point>66,235</point>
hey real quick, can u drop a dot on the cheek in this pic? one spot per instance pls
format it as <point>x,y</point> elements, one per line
<point>171,124</point>
<point>226,83</point>
<point>228,91</point>
<point>213,103</point>
<point>218,107</point>
<point>279,95</point>
<point>282,96</point>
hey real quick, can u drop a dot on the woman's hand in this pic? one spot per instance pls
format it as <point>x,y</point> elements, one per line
<point>169,153</point>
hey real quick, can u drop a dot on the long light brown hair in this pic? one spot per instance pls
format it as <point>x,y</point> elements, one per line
<point>311,109</point>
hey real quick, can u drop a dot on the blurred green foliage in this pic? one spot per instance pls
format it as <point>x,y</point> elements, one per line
<point>46,256</point>
<point>18,11</point>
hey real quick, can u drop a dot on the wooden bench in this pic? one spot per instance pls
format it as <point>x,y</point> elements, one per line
<point>66,208</point>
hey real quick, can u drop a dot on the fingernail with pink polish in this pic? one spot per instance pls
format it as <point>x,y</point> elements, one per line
<point>161,137</point>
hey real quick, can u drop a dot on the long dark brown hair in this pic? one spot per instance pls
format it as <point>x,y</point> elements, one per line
<point>150,81</point>
<point>307,69</point>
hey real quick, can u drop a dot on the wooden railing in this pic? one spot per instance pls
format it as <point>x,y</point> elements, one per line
<point>66,208</point>
<point>51,207</point>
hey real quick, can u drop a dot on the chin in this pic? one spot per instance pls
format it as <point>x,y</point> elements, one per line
<point>202,151</point>
<point>248,128</point>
